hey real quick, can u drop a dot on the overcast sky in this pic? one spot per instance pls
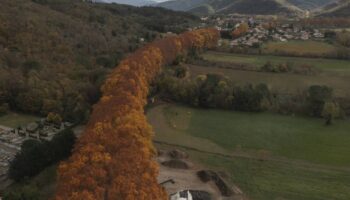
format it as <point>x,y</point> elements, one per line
<point>126,0</point>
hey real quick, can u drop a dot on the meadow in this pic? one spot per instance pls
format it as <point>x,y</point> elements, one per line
<point>269,156</point>
<point>299,47</point>
<point>259,60</point>
<point>13,120</point>
<point>331,72</point>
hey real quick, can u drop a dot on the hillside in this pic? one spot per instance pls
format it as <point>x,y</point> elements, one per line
<point>131,2</point>
<point>337,9</point>
<point>310,4</point>
<point>182,5</point>
<point>55,55</point>
<point>203,9</point>
<point>259,7</point>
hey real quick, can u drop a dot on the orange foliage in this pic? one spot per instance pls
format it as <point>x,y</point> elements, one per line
<point>241,30</point>
<point>114,158</point>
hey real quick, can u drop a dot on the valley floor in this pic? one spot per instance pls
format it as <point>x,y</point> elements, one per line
<point>333,73</point>
<point>268,156</point>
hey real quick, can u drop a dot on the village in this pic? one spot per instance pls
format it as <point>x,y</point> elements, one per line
<point>11,139</point>
<point>261,30</point>
<point>258,35</point>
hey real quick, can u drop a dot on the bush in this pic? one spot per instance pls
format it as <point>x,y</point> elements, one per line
<point>330,111</point>
<point>27,192</point>
<point>180,71</point>
<point>317,96</point>
<point>30,65</point>
<point>344,38</point>
<point>54,118</point>
<point>279,68</point>
<point>105,61</point>
<point>4,108</point>
<point>250,98</point>
<point>36,155</point>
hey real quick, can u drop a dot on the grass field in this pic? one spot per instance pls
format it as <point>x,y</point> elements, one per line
<point>279,181</point>
<point>260,60</point>
<point>14,120</point>
<point>43,184</point>
<point>280,82</point>
<point>304,160</point>
<point>299,47</point>
<point>334,73</point>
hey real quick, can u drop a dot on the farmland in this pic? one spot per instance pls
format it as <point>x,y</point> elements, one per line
<point>297,151</point>
<point>259,60</point>
<point>14,120</point>
<point>299,47</point>
<point>333,73</point>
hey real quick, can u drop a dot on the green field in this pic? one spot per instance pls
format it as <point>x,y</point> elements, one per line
<point>280,181</point>
<point>333,73</point>
<point>14,120</point>
<point>260,60</point>
<point>43,184</point>
<point>303,159</point>
<point>299,47</point>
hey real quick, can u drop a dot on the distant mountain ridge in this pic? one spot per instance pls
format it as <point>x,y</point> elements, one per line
<point>131,2</point>
<point>310,4</point>
<point>260,7</point>
<point>339,8</point>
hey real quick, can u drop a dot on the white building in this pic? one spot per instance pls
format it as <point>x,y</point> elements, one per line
<point>183,195</point>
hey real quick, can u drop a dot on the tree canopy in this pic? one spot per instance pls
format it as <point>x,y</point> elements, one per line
<point>114,157</point>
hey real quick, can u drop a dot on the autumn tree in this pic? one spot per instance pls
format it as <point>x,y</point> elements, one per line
<point>330,111</point>
<point>240,30</point>
<point>114,158</point>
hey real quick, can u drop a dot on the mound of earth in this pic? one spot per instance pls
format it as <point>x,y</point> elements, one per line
<point>176,164</point>
<point>196,195</point>
<point>208,175</point>
<point>177,154</point>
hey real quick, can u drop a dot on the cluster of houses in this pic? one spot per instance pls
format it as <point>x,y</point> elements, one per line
<point>258,35</point>
<point>12,139</point>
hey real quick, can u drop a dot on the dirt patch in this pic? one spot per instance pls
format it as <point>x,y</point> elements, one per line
<point>177,154</point>
<point>176,164</point>
<point>208,175</point>
<point>180,178</point>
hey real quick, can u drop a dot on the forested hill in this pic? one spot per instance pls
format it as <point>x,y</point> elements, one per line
<point>310,4</point>
<point>340,8</point>
<point>259,7</point>
<point>54,54</point>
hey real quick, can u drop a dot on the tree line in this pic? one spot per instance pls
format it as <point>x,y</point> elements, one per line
<point>219,92</point>
<point>55,55</point>
<point>114,157</point>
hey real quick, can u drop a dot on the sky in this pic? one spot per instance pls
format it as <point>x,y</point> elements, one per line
<point>144,0</point>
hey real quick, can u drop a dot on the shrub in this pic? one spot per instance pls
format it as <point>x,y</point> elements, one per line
<point>36,155</point>
<point>250,98</point>
<point>330,111</point>
<point>317,96</point>
<point>4,108</point>
<point>104,61</point>
<point>180,71</point>
<point>27,192</point>
<point>54,118</point>
<point>344,38</point>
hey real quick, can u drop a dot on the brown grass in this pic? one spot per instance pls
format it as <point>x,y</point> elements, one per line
<point>281,82</point>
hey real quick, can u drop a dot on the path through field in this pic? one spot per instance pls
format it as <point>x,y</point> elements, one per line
<point>159,122</point>
<point>259,174</point>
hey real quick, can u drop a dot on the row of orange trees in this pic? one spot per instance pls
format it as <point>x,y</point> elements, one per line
<point>114,158</point>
